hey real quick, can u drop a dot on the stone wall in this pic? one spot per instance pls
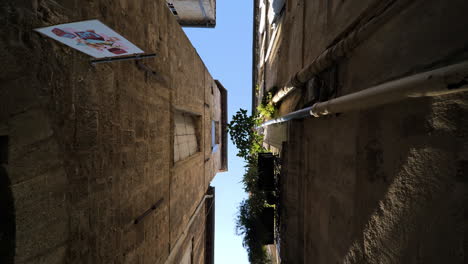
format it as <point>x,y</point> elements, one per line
<point>91,148</point>
<point>383,185</point>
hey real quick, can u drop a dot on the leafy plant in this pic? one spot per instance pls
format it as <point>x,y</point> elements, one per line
<point>250,177</point>
<point>243,134</point>
<point>267,109</point>
<point>248,223</point>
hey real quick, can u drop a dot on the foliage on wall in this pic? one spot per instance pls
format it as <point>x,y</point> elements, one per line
<point>248,223</point>
<point>267,110</point>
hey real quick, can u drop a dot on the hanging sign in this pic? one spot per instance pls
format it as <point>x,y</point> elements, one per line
<point>91,37</point>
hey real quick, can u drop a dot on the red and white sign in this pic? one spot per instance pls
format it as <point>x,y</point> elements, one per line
<point>91,37</point>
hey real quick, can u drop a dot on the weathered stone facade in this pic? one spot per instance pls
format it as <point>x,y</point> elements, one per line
<point>89,155</point>
<point>381,185</point>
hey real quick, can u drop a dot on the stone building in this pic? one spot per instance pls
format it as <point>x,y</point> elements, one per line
<point>194,13</point>
<point>381,179</point>
<point>109,163</point>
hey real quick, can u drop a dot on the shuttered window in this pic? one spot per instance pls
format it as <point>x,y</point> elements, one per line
<point>186,141</point>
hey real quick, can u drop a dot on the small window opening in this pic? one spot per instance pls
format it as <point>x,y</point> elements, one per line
<point>215,137</point>
<point>186,135</point>
<point>217,132</point>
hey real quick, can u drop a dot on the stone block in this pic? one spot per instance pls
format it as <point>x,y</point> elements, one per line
<point>128,137</point>
<point>110,134</point>
<point>28,193</point>
<point>140,232</point>
<point>140,129</point>
<point>29,127</point>
<point>193,147</point>
<point>22,96</point>
<point>126,216</point>
<point>179,123</point>
<point>79,223</point>
<point>129,239</point>
<point>86,129</point>
<point>56,180</point>
<point>141,152</point>
<point>86,93</point>
<point>184,150</point>
<point>40,158</point>
<point>37,242</point>
<point>182,139</point>
<point>10,68</point>
<point>56,256</point>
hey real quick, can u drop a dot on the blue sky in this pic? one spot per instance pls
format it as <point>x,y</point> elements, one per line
<point>227,53</point>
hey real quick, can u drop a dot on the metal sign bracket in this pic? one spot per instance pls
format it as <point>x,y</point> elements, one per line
<point>126,58</point>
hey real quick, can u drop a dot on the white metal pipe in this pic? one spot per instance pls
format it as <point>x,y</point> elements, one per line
<point>442,81</point>
<point>446,80</point>
<point>170,259</point>
<point>293,115</point>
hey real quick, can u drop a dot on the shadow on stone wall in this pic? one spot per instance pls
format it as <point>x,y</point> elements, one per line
<point>7,209</point>
<point>387,189</point>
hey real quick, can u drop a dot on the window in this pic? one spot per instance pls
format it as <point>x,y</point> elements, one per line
<point>215,137</point>
<point>186,141</point>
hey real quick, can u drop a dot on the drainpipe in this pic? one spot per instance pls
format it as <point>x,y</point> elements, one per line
<point>341,49</point>
<point>183,236</point>
<point>293,115</point>
<point>442,81</point>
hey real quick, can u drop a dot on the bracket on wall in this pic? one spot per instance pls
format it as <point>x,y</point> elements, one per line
<point>147,212</point>
<point>151,73</point>
<point>134,57</point>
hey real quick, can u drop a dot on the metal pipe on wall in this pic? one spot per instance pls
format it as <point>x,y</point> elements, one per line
<point>383,11</point>
<point>442,81</point>
<point>293,115</point>
<point>446,80</point>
